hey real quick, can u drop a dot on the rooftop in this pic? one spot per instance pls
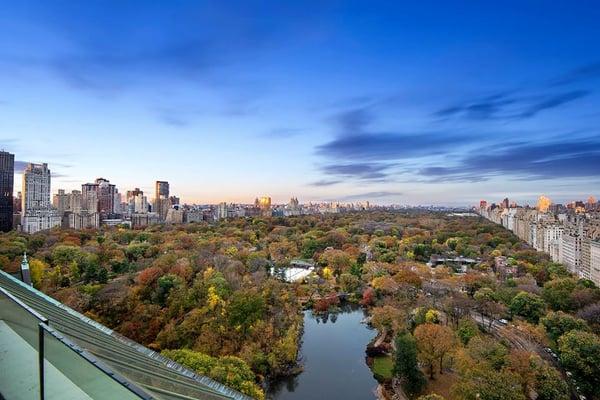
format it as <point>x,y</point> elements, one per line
<point>82,359</point>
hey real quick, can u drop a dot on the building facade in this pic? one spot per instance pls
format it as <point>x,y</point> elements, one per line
<point>7,174</point>
<point>595,261</point>
<point>37,214</point>
<point>161,199</point>
<point>569,235</point>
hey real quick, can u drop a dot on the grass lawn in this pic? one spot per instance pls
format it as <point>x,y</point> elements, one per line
<point>382,366</point>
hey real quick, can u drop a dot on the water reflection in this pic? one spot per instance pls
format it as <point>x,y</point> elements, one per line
<point>333,355</point>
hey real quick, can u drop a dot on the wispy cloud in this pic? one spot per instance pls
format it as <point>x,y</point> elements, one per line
<point>570,157</point>
<point>582,74</point>
<point>362,171</point>
<point>505,106</point>
<point>173,117</point>
<point>325,182</point>
<point>21,165</point>
<point>371,195</point>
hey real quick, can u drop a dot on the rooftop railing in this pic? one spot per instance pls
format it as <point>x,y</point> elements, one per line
<point>64,370</point>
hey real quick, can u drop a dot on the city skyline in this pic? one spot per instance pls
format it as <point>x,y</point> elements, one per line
<point>406,104</point>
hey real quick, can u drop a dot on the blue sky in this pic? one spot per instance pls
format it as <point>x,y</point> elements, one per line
<point>423,102</point>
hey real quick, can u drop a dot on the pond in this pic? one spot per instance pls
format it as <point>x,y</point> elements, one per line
<point>333,355</point>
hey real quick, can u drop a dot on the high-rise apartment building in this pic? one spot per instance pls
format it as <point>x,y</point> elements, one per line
<point>89,197</point>
<point>101,196</point>
<point>222,210</point>
<point>7,174</point>
<point>75,201</point>
<point>106,196</point>
<point>137,202</point>
<point>37,214</point>
<point>569,235</point>
<point>595,261</point>
<point>161,199</point>
<point>162,189</point>
<point>60,201</point>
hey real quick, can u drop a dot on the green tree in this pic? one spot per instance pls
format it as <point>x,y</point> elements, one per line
<point>557,293</point>
<point>244,309</point>
<point>102,275</point>
<point>528,305</point>
<point>164,284</point>
<point>348,282</point>
<point>467,329</point>
<point>580,354</point>
<point>549,385</point>
<point>406,366</point>
<point>484,349</point>
<point>557,323</point>
<point>230,371</point>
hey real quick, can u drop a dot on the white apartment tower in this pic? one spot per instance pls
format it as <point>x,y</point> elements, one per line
<point>37,214</point>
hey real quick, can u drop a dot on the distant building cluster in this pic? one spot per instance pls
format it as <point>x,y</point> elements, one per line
<point>570,233</point>
<point>99,203</point>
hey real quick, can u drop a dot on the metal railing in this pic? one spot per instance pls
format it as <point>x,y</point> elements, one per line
<point>62,365</point>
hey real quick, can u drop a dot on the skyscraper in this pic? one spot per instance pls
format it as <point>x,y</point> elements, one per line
<point>38,214</point>
<point>7,173</point>
<point>162,189</point>
<point>89,197</point>
<point>60,201</point>
<point>161,199</point>
<point>137,202</point>
<point>106,196</point>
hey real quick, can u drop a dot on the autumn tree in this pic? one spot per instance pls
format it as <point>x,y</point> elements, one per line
<point>433,342</point>
<point>591,314</point>
<point>457,306</point>
<point>349,282</point>
<point>37,270</point>
<point>388,317</point>
<point>481,383</point>
<point>338,260</point>
<point>488,306</point>
<point>230,371</point>
<point>368,297</point>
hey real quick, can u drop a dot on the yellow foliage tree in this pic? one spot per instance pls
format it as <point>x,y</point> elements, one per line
<point>213,298</point>
<point>37,268</point>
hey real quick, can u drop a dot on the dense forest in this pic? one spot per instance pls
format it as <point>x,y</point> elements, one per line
<point>204,295</point>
